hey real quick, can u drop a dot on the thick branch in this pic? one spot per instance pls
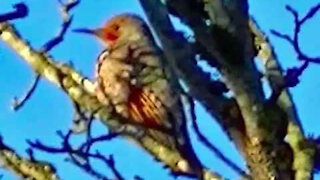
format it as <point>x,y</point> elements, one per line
<point>181,58</point>
<point>229,44</point>
<point>232,54</point>
<point>301,149</point>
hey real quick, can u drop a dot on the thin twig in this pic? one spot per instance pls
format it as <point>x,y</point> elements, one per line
<point>80,120</point>
<point>87,168</point>
<point>17,104</point>
<point>21,11</point>
<point>111,163</point>
<point>89,133</point>
<point>3,146</point>
<point>67,19</point>
<point>88,144</point>
<point>81,156</point>
<point>137,178</point>
<point>294,41</point>
<point>209,145</point>
<point>292,76</point>
<point>30,154</point>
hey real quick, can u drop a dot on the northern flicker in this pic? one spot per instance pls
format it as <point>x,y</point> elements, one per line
<point>133,77</point>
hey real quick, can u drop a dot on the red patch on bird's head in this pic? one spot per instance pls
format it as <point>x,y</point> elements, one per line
<point>109,36</point>
<point>112,30</point>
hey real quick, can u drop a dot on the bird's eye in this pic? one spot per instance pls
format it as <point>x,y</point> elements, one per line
<point>116,27</point>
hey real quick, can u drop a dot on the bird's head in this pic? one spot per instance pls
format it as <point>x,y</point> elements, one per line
<point>123,27</point>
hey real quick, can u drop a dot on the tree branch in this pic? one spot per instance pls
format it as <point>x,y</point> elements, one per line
<point>210,146</point>
<point>17,104</point>
<point>298,25</point>
<point>81,156</point>
<point>67,19</point>
<point>21,11</point>
<point>182,60</point>
<point>295,136</point>
<point>229,45</point>
<point>303,150</point>
<point>25,168</point>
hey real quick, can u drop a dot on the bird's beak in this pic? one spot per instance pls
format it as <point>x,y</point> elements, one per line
<point>98,33</point>
<point>95,32</point>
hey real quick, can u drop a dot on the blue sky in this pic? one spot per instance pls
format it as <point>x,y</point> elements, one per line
<point>50,110</point>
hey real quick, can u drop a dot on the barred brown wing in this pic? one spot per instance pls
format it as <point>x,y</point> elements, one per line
<point>145,108</point>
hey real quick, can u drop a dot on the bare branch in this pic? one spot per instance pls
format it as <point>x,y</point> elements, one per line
<point>283,36</point>
<point>138,178</point>
<point>25,168</point>
<point>81,120</point>
<point>229,44</point>
<point>89,143</point>
<point>111,164</point>
<point>21,11</point>
<point>274,73</point>
<point>291,78</point>
<point>81,156</point>
<point>67,19</point>
<point>294,41</point>
<point>17,104</point>
<point>211,146</point>
<point>302,150</point>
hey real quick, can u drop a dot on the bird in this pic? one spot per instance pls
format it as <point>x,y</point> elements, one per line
<point>133,76</point>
